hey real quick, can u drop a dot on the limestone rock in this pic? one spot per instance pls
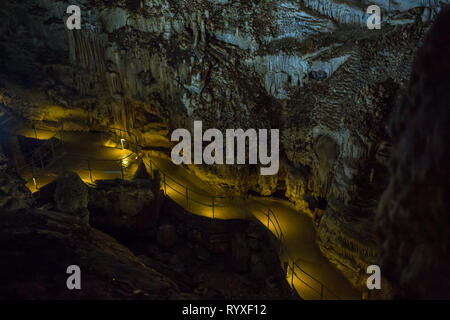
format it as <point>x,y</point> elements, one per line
<point>13,194</point>
<point>309,68</point>
<point>141,172</point>
<point>413,219</point>
<point>125,207</point>
<point>71,195</point>
<point>40,245</point>
<point>240,253</point>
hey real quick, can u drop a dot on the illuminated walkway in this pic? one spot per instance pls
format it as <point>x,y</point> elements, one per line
<point>297,228</point>
<point>94,157</point>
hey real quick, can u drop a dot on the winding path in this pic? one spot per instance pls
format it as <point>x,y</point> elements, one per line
<point>94,156</point>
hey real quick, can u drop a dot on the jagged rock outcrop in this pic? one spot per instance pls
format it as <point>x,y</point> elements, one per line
<point>13,194</point>
<point>166,236</point>
<point>71,195</point>
<point>125,207</point>
<point>310,68</point>
<point>216,259</point>
<point>240,253</point>
<point>413,220</point>
<point>39,245</point>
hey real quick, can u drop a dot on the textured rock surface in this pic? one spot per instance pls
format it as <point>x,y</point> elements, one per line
<point>13,194</point>
<point>413,221</point>
<point>240,253</point>
<point>39,245</point>
<point>71,195</point>
<point>120,207</point>
<point>310,68</point>
<point>202,259</point>
<point>166,236</point>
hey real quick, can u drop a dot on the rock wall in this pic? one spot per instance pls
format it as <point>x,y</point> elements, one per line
<point>413,219</point>
<point>13,193</point>
<point>39,245</point>
<point>308,68</point>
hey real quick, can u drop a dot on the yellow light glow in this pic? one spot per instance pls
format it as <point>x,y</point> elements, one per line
<point>110,144</point>
<point>126,162</point>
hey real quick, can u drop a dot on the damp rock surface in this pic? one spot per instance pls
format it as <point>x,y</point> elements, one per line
<point>309,68</point>
<point>13,194</point>
<point>39,245</point>
<point>413,217</point>
<point>71,195</point>
<point>119,206</point>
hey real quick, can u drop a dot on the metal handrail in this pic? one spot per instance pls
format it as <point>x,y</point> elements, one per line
<point>271,217</point>
<point>152,164</point>
<point>279,233</point>
<point>294,263</point>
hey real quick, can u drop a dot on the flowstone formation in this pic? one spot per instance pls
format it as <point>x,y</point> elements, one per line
<point>309,68</point>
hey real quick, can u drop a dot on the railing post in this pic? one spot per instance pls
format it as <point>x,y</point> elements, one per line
<point>89,167</point>
<point>164,181</point>
<point>61,130</point>
<point>136,145</point>
<point>35,133</point>
<point>35,184</point>
<point>121,168</point>
<point>151,168</point>
<point>292,275</point>
<point>32,172</point>
<point>213,207</point>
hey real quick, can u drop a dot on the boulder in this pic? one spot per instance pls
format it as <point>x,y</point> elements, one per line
<point>141,172</point>
<point>71,195</point>
<point>166,236</point>
<point>39,245</point>
<point>122,207</point>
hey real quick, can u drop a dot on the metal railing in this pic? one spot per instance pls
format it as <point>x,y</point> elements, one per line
<point>188,195</point>
<point>296,271</point>
<point>186,198</point>
<point>45,156</point>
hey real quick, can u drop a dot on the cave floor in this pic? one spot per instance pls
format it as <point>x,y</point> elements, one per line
<point>88,150</point>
